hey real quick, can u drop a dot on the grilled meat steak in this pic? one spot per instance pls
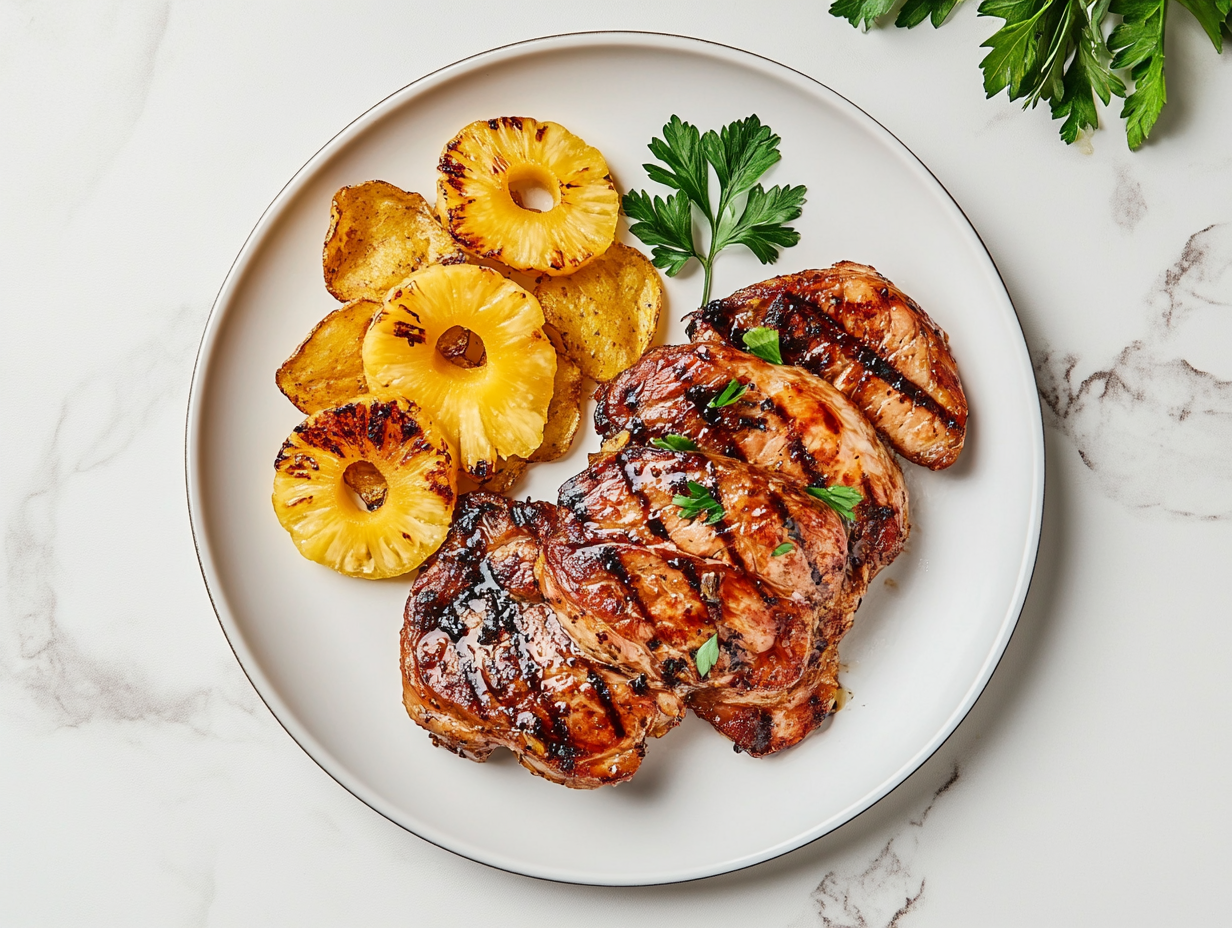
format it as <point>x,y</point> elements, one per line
<point>569,633</point>
<point>486,664</point>
<point>787,421</point>
<point>854,328</point>
<point>642,587</point>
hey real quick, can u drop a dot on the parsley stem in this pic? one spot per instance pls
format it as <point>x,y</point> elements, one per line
<point>708,261</point>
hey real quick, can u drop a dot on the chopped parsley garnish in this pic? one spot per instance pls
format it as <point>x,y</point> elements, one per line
<point>732,392</point>
<point>764,343</point>
<point>674,443</point>
<point>698,502</point>
<point>707,655</point>
<point>746,213</point>
<point>782,549</point>
<point>842,500</point>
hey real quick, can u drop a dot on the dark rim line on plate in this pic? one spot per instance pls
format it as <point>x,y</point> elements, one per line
<point>880,792</point>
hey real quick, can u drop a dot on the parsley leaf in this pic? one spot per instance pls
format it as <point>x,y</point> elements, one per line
<point>1212,14</point>
<point>674,443</point>
<point>764,343</point>
<point>666,225</point>
<point>760,226</point>
<point>1087,76</point>
<point>740,153</point>
<point>842,500</point>
<point>785,548</point>
<point>915,12</point>
<point>1052,50</point>
<point>698,501</point>
<point>707,655</point>
<point>1138,43</point>
<point>732,392</point>
<point>861,13</point>
<point>746,213</point>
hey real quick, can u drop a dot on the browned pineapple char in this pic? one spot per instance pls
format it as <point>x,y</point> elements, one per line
<point>367,488</point>
<point>484,171</point>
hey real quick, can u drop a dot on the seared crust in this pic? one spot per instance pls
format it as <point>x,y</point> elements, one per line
<point>642,588</point>
<point>788,421</point>
<point>486,664</point>
<point>853,327</point>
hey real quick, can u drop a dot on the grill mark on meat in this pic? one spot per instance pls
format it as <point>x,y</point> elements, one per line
<point>688,570</point>
<point>572,494</point>
<point>671,669</point>
<point>605,697</point>
<point>795,444</point>
<point>706,588</point>
<point>793,532</point>
<point>654,523</point>
<point>609,559</point>
<point>869,361</point>
<point>486,662</point>
<point>722,530</point>
<point>763,732</point>
<point>500,612</point>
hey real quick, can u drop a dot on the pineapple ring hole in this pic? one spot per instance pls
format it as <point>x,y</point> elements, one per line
<point>367,485</point>
<point>533,188</point>
<point>462,348</point>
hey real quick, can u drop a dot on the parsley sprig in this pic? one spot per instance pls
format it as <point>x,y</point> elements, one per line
<point>674,443</point>
<point>745,214</point>
<point>842,500</point>
<point>785,548</point>
<point>1055,51</point>
<point>732,392</point>
<point>699,502</point>
<point>707,655</point>
<point>764,343</point>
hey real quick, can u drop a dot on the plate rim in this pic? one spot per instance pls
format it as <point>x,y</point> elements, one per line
<point>659,41</point>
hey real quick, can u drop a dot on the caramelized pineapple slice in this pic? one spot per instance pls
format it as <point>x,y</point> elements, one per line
<point>367,488</point>
<point>484,173</point>
<point>468,346</point>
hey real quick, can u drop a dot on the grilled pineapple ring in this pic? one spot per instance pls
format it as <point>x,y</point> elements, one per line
<point>495,407</point>
<point>478,200</point>
<point>399,464</point>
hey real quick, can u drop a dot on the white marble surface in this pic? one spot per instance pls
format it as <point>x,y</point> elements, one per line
<point>142,782</point>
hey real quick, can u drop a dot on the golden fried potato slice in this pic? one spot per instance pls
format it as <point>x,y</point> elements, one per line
<point>607,313</point>
<point>564,412</point>
<point>378,235</point>
<point>327,369</point>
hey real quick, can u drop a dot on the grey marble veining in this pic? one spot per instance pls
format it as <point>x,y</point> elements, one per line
<point>97,422</point>
<point>1128,203</point>
<point>884,890</point>
<point>1153,427</point>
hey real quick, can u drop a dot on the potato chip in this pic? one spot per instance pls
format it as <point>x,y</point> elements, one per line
<point>327,369</point>
<point>564,412</point>
<point>378,235</point>
<point>607,313</point>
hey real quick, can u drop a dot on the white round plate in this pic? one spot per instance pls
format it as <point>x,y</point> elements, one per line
<point>322,649</point>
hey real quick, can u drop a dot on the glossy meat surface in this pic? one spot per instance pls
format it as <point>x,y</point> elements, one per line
<point>642,587</point>
<point>486,663</point>
<point>854,328</point>
<point>788,421</point>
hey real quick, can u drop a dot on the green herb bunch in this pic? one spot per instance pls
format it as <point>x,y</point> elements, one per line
<point>1060,51</point>
<point>745,212</point>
